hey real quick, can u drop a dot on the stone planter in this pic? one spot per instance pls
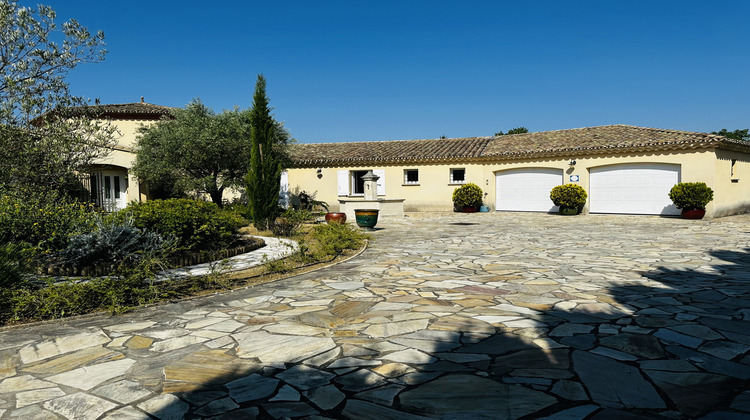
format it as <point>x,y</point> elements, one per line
<point>336,217</point>
<point>693,214</point>
<point>366,218</point>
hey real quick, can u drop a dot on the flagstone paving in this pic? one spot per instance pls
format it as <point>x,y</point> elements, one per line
<point>499,316</point>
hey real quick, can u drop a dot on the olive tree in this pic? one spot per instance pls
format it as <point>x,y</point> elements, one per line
<point>46,134</point>
<point>198,151</point>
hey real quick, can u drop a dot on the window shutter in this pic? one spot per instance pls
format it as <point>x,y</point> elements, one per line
<point>342,178</point>
<point>284,194</point>
<point>381,180</point>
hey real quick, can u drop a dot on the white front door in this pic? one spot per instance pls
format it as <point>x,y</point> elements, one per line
<point>633,188</point>
<point>110,189</point>
<point>526,189</point>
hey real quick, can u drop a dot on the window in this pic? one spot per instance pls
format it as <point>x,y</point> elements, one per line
<point>107,188</point>
<point>117,186</point>
<point>411,176</point>
<point>733,171</point>
<point>350,183</point>
<point>358,184</point>
<point>94,188</point>
<point>458,176</point>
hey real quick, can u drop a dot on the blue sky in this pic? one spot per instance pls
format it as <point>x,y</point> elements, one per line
<point>388,70</point>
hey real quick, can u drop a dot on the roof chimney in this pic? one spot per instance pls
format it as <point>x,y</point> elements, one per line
<point>141,99</point>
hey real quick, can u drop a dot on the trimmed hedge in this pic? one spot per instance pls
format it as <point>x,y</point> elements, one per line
<point>569,196</point>
<point>469,195</point>
<point>194,224</point>
<point>691,195</point>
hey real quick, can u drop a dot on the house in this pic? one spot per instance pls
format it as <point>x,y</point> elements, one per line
<point>110,183</point>
<point>625,169</point>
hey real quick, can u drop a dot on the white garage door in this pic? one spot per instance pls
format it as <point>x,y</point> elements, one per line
<point>641,188</point>
<point>526,189</point>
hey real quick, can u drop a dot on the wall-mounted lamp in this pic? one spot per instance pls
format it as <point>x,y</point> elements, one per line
<point>319,172</point>
<point>572,163</point>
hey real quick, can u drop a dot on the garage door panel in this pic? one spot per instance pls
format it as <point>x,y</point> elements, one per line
<point>526,189</point>
<point>633,188</point>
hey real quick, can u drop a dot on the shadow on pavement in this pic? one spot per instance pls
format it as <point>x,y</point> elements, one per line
<point>673,348</point>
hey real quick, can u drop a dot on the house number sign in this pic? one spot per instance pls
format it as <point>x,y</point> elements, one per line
<point>574,178</point>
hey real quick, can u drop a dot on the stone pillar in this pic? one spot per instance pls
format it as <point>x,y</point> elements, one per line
<point>371,185</point>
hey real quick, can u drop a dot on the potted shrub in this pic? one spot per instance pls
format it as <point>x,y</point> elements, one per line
<point>570,198</point>
<point>468,197</point>
<point>692,198</point>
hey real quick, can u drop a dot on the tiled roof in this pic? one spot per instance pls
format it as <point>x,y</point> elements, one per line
<point>577,141</point>
<point>388,151</point>
<point>602,138</point>
<point>131,111</point>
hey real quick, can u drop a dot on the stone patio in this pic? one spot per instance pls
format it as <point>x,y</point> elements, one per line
<point>501,315</point>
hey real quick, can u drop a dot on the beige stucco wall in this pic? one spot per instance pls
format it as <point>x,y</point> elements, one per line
<point>127,131</point>
<point>126,136</point>
<point>731,191</point>
<point>434,191</point>
<point>123,161</point>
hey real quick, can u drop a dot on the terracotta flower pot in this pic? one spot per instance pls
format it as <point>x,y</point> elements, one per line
<point>469,209</point>
<point>693,214</point>
<point>336,217</point>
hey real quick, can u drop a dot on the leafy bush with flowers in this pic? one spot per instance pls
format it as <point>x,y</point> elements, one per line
<point>45,221</point>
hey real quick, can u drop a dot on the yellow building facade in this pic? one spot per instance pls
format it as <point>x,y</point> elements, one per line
<point>624,169</point>
<point>111,184</point>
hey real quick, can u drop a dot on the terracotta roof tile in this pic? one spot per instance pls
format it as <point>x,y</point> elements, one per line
<point>591,139</point>
<point>135,110</point>
<point>577,141</point>
<point>388,151</point>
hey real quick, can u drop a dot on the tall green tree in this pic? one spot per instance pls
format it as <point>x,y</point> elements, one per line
<point>736,134</point>
<point>198,151</point>
<point>46,134</point>
<point>267,160</point>
<point>517,130</point>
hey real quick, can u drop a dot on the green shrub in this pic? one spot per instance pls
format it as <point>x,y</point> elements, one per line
<point>691,195</point>
<point>195,225</point>
<point>334,238</point>
<point>69,298</point>
<point>110,242</point>
<point>239,209</point>
<point>15,263</point>
<point>289,223</point>
<point>571,196</point>
<point>469,195</point>
<point>302,200</point>
<point>44,220</point>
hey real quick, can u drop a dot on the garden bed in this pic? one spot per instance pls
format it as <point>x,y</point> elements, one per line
<point>135,285</point>
<point>183,259</point>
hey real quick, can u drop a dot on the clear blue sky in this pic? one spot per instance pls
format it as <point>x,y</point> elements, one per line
<point>387,70</point>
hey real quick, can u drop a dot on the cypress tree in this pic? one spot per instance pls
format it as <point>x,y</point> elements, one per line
<point>266,160</point>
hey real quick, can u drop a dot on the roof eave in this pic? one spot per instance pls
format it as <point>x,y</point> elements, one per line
<point>558,153</point>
